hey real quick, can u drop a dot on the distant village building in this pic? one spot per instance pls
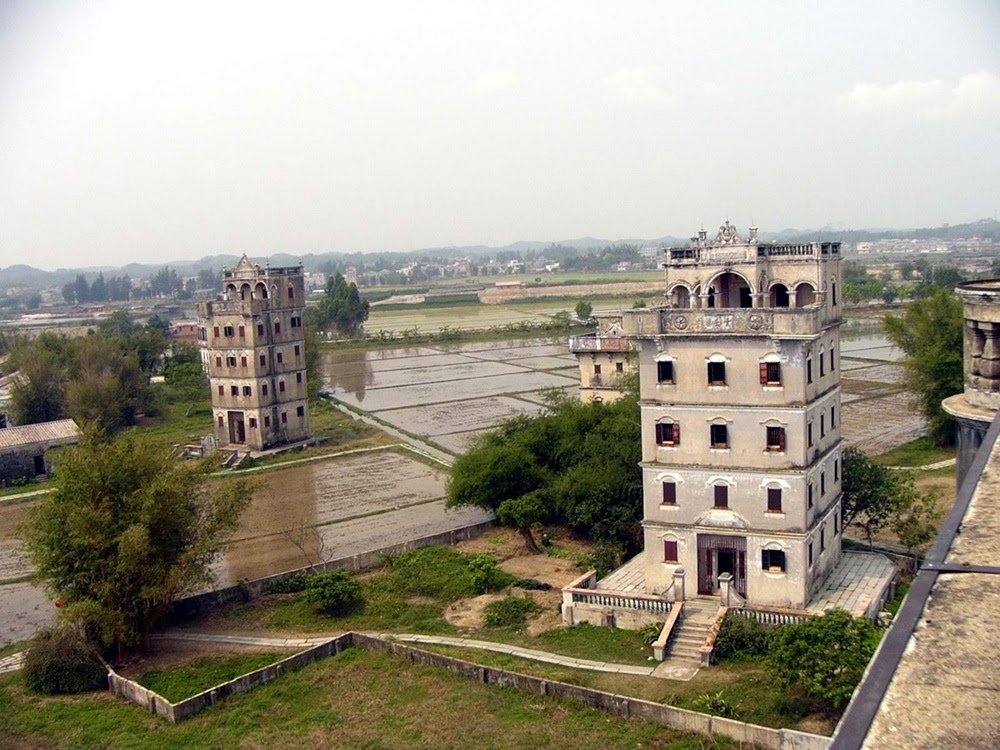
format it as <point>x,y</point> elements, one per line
<point>740,400</point>
<point>185,332</point>
<point>254,343</point>
<point>351,275</point>
<point>23,449</point>
<point>605,358</point>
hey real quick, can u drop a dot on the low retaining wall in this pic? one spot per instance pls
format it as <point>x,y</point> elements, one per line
<point>185,709</point>
<point>248,590</point>
<point>620,705</point>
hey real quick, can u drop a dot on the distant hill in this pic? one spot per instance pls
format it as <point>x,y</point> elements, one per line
<point>24,275</point>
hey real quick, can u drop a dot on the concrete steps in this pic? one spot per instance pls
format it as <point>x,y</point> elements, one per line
<point>692,629</point>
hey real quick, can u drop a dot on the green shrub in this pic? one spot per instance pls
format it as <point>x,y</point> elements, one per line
<point>440,573</point>
<point>605,557</point>
<point>62,660</point>
<point>717,705</point>
<point>741,637</point>
<point>509,611</point>
<point>824,656</point>
<point>337,592</point>
<point>486,575</point>
<point>649,633</point>
<point>291,585</point>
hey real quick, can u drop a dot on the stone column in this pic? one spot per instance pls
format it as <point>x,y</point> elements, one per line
<point>725,583</point>
<point>679,594</point>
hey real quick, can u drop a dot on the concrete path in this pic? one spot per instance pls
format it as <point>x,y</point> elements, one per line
<point>11,662</point>
<point>665,670</point>
<point>927,467</point>
<point>24,495</point>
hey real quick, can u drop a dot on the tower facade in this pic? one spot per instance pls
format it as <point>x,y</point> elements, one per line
<point>254,343</point>
<point>740,399</point>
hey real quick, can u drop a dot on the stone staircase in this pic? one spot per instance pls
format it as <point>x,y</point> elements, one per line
<point>692,628</point>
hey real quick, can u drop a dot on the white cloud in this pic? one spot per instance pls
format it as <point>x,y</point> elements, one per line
<point>491,82</point>
<point>972,94</point>
<point>634,86</point>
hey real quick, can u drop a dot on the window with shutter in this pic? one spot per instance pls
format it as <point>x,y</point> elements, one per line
<point>669,493</point>
<point>669,551</point>
<point>772,560</point>
<point>668,433</point>
<point>721,496</point>
<point>243,332</point>
<point>665,372</point>
<point>716,373</point>
<point>774,499</point>
<point>719,436</point>
<point>775,438</point>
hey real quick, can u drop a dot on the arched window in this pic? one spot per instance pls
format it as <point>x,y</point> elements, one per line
<point>805,295</point>
<point>779,295</point>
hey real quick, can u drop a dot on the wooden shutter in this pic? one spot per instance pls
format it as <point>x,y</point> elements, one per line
<point>676,430</point>
<point>721,496</point>
<point>669,551</point>
<point>763,373</point>
<point>781,438</point>
<point>243,332</point>
<point>669,493</point>
<point>774,499</point>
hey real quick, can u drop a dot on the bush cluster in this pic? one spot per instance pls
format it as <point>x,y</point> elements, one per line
<point>741,638</point>
<point>62,660</point>
<point>337,592</point>
<point>487,575</point>
<point>509,611</point>
<point>531,584</point>
<point>291,585</point>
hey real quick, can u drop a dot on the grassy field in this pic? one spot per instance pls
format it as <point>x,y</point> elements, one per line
<point>357,700</point>
<point>180,682</point>
<point>918,452</point>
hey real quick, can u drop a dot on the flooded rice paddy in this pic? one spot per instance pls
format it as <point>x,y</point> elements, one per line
<point>447,395</point>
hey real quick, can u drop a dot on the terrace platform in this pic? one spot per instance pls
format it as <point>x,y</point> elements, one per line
<point>860,584</point>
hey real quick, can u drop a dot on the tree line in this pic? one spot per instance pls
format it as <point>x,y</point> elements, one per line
<point>101,378</point>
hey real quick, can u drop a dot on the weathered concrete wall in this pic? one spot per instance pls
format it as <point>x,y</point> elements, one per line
<point>185,709</point>
<point>249,590</point>
<point>620,705</point>
<point>676,718</point>
<point>18,463</point>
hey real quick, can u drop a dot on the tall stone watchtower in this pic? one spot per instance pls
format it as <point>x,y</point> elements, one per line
<point>740,398</point>
<point>254,342</point>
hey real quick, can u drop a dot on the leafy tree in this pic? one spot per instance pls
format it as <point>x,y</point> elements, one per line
<point>341,307</point>
<point>876,498</point>
<point>184,375</point>
<point>825,656</point>
<point>584,310</point>
<point>929,331</point>
<point>126,531</point>
<point>40,394</point>
<point>81,289</point>
<point>575,463</point>
<point>207,279</point>
<point>69,293</point>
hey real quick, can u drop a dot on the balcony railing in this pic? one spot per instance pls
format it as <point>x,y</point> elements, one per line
<point>684,320</point>
<point>591,343</point>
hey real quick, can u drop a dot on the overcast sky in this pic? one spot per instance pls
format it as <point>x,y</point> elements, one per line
<point>151,131</point>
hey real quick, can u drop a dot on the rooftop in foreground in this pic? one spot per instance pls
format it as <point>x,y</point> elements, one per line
<point>935,681</point>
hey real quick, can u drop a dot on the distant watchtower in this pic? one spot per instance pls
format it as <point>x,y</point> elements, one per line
<point>255,350</point>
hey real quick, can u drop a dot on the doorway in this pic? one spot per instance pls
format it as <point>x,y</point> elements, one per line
<point>718,554</point>
<point>237,428</point>
<point>39,465</point>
